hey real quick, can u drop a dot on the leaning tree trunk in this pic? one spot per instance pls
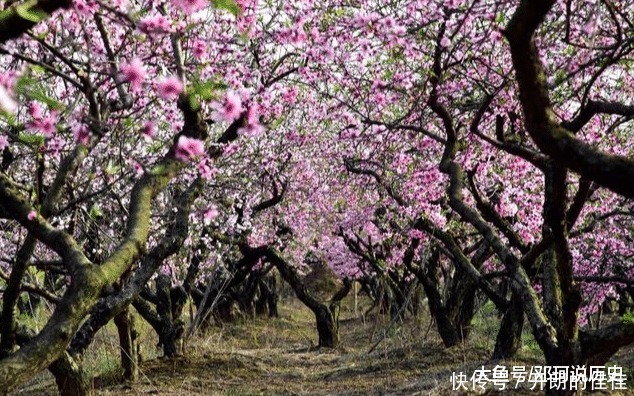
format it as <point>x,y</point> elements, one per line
<point>327,317</point>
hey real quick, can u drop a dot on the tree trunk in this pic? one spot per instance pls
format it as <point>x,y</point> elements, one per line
<point>267,300</point>
<point>327,317</point>
<point>269,290</point>
<point>169,332</point>
<point>127,343</point>
<point>327,327</point>
<point>446,328</point>
<point>261,302</point>
<point>169,310</point>
<point>70,378</point>
<point>11,295</point>
<point>562,356</point>
<point>464,307</point>
<point>509,336</point>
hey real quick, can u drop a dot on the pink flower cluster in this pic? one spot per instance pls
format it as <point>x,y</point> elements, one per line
<point>7,87</point>
<point>188,148</point>
<point>85,7</point>
<point>199,49</point>
<point>206,169</point>
<point>156,24</point>
<point>169,88</point>
<point>149,129</point>
<point>252,125</point>
<point>210,214</point>
<point>190,6</point>
<point>81,133</point>
<point>47,125</point>
<point>229,109</point>
<point>133,72</point>
<point>7,103</point>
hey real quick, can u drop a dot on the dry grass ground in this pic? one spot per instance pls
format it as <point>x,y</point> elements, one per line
<point>276,357</point>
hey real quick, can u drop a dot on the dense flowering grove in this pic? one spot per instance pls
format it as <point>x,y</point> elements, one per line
<point>475,146</point>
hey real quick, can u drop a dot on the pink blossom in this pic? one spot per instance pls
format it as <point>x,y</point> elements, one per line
<point>230,149</point>
<point>252,126</point>
<point>294,35</point>
<point>590,27</point>
<point>206,170</point>
<point>32,215</point>
<point>169,88</point>
<point>7,103</point>
<point>4,142</point>
<point>85,7</point>
<point>290,95</point>
<point>188,148</point>
<point>573,67</point>
<point>190,6</point>
<point>35,110</point>
<point>315,34</point>
<point>444,42</point>
<point>45,125</point>
<point>134,73</point>
<point>149,129</point>
<point>199,49</point>
<point>137,167</point>
<point>53,146</point>
<point>9,79</point>
<point>81,134</point>
<point>210,214</point>
<point>155,24</point>
<point>229,110</point>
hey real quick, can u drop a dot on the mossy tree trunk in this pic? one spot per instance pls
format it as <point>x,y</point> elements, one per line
<point>87,279</point>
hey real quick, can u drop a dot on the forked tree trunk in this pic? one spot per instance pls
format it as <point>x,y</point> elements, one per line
<point>168,329</point>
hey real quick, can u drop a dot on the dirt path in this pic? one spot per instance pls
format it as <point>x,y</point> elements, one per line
<point>275,357</point>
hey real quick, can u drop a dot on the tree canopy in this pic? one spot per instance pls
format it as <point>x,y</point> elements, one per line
<point>484,146</point>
